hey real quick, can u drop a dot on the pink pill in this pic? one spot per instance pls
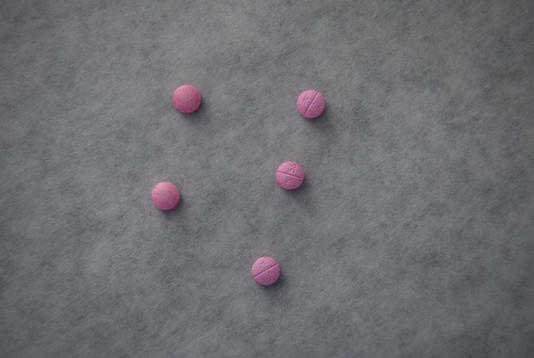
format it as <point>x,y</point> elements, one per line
<point>265,271</point>
<point>290,175</point>
<point>310,104</point>
<point>165,196</point>
<point>186,99</point>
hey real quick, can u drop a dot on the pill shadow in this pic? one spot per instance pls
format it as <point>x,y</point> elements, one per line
<point>171,214</point>
<point>300,191</point>
<point>277,286</point>
<point>200,117</point>
<point>194,114</point>
<point>324,123</point>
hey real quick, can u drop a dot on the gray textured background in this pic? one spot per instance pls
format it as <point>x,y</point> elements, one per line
<point>413,234</point>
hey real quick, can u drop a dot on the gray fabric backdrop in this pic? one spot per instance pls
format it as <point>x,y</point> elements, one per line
<point>412,236</point>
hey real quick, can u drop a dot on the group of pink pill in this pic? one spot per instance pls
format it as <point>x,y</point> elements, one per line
<point>289,175</point>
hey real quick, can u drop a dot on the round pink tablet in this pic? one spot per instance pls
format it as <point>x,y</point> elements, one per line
<point>186,99</point>
<point>265,271</point>
<point>165,196</point>
<point>290,175</point>
<point>310,104</point>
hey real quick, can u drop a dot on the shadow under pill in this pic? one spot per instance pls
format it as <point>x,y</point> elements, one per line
<point>278,285</point>
<point>301,191</point>
<point>170,214</point>
<point>323,122</point>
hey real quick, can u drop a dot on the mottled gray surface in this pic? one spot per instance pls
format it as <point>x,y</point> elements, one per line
<point>412,237</point>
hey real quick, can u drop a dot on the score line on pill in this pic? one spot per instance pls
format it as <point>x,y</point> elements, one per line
<point>290,175</point>
<point>265,271</point>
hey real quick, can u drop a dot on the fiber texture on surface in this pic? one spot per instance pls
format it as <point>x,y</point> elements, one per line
<point>412,235</point>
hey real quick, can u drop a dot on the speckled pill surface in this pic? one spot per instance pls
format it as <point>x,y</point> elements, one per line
<point>310,104</point>
<point>265,271</point>
<point>165,196</point>
<point>186,99</point>
<point>290,175</point>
